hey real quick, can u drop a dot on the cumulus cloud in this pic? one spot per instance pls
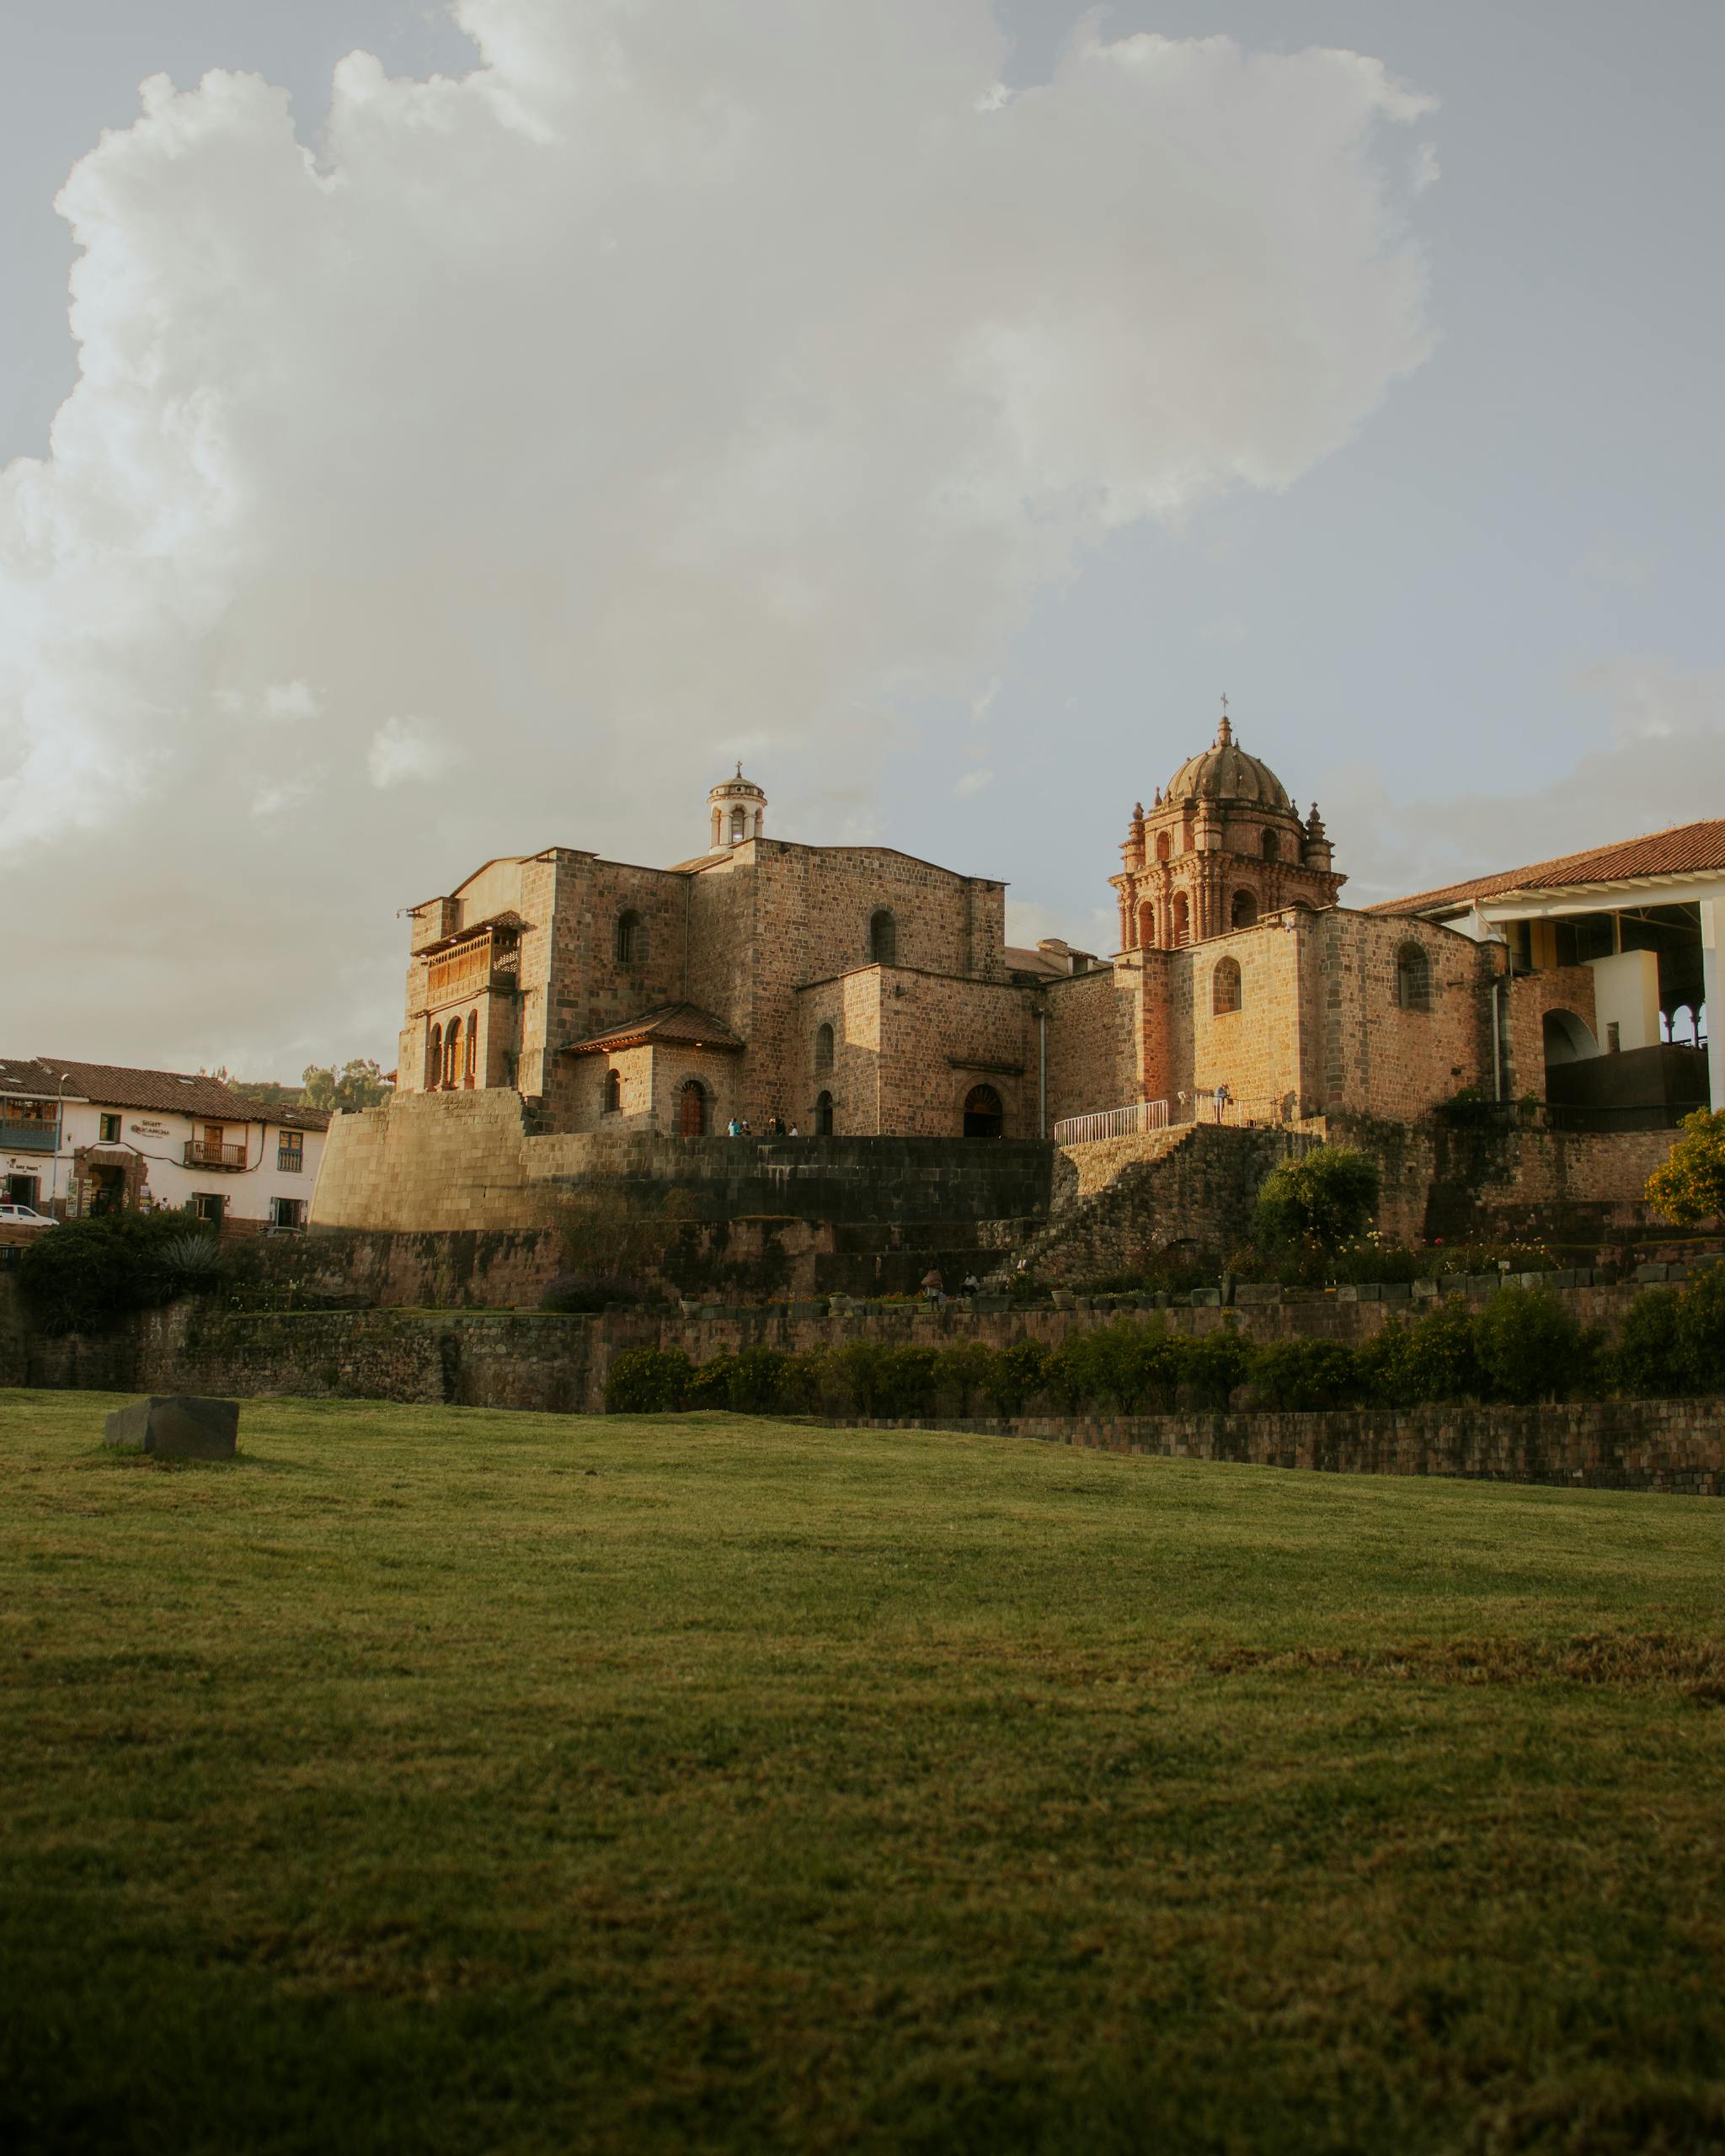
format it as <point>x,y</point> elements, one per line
<point>401,749</point>
<point>691,373</point>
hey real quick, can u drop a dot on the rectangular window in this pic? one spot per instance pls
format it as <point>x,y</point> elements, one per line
<point>288,1212</point>
<point>291,1152</point>
<point>25,1190</point>
<point>110,1129</point>
<point>208,1205</point>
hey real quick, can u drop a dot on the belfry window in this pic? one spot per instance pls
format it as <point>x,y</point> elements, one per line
<point>883,939</point>
<point>1163,848</point>
<point>1180,919</point>
<point>1414,978</point>
<point>1225,990</point>
<point>740,825</point>
<point>1271,846</point>
<point>1146,926</point>
<point>1244,913</point>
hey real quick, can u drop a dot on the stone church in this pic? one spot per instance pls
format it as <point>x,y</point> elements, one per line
<point>858,991</point>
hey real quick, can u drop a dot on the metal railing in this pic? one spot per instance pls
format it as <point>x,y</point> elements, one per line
<point>204,1153</point>
<point>28,1137</point>
<point>1113,1123</point>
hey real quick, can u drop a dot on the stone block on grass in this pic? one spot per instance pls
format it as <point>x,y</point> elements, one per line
<point>176,1426</point>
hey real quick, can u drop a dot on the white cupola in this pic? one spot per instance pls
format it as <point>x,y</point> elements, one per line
<point>738,810</point>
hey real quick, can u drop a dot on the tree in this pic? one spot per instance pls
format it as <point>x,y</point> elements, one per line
<point>1691,1186</point>
<point>1325,1199</point>
<point>359,1084</point>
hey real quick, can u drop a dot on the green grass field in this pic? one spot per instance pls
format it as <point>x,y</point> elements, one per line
<point>443,1779</point>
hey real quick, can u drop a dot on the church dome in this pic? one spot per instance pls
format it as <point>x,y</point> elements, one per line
<point>1225,772</point>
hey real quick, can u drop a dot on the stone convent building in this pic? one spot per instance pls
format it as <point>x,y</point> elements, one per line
<point>855,991</point>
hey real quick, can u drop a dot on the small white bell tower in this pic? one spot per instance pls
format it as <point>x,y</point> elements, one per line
<point>737,808</point>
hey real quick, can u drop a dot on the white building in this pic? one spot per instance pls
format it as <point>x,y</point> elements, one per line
<point>82,1138</point>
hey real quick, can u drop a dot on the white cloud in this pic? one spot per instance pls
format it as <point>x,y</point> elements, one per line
<point>1426,171</point>
<point>971,782</point>
<point>681,373</point>
<point>401,749</point>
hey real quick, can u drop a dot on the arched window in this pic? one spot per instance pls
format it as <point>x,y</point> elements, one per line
<point>1244,911</point>
<point>691,1109</point>
<point>823,1116</point>
<point>1414,978</point>
<point>1271,846</point>
<point>739,825</point>
<point>470,1075</point>
<point>883,939</point>
<point>433,1060</point>
<point>823,1048</point>
<point>629,947</point>
<point>1163,846</point>
<point>760,821</point>
<point>452,1054</point>
<point>1146,925</point>
<point>613,1093</point>
<point>1181,918</point>
<point>984,1116</point>
<point>1224,987</point>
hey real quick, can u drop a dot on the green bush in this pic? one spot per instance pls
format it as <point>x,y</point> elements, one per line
<point>1303,1375</point>
<point>1673,1339</point>
<point>1528,1345</point>
<point>86,1275</point>
<point>1327,1197</point>
<point>1214,1364</point>
<point>646,1381</point>
<point>1015,1375</point>
<point>1430,1359</point>
<point>962,1371</point>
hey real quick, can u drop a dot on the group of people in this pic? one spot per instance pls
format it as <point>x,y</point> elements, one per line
<point>934,1288</point>
<point>740,1127</point>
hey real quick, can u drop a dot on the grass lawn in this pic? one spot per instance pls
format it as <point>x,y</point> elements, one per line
<point>433,1779</point>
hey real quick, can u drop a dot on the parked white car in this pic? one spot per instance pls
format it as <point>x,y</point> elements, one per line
<point>23,1216</point>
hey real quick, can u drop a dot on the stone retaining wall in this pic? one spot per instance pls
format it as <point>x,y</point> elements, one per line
<point>1675,1446</point>
<point>519,1359</point>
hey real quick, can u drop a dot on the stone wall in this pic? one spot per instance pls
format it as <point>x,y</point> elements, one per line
<point>465,1161</point>
<point>1676,1447</point>
<point>532,1359</point>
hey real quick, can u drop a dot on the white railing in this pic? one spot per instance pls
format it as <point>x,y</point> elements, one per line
<point>1113,1123</point>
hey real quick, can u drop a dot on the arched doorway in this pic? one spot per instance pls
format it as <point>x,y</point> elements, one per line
<point>984,1116</point>
<point>691,1109</point>
<point>823,1116</point>
<point>1567,1039</point>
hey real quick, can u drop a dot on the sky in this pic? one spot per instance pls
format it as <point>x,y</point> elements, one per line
<point>436,432</point>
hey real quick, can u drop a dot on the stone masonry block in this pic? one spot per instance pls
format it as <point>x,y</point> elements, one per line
<point>178,1426</point>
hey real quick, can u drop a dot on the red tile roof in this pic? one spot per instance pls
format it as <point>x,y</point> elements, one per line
<point>685,1024</point>
<point>110,1084</point>
<point>1685,849</point>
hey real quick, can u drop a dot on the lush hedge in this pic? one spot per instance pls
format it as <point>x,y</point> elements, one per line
<point>1521,1345</point>
<point>85,1275</point>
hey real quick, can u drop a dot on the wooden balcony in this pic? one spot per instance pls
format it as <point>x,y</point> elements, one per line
<point>203,1153</point>
<point>486,963</point>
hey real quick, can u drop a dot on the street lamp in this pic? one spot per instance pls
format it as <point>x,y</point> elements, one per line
<point>59,1126</point>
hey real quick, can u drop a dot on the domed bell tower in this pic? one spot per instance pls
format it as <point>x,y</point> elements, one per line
<point>1222,846</point>
<point>737,810</point>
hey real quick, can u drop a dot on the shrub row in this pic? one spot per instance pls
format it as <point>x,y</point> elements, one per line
<point>1521,1346</point>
